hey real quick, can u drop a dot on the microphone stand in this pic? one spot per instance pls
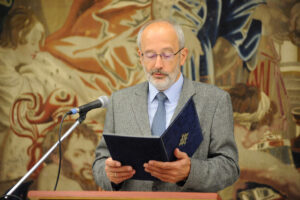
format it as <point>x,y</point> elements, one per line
<point>10,194</point>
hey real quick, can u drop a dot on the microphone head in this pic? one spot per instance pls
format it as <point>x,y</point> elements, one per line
<point>104,100</point>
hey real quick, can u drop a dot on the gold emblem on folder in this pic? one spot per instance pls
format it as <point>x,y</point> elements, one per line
<point>183,139</point>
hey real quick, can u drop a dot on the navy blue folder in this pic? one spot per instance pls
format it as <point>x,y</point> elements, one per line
<point>183,133</point>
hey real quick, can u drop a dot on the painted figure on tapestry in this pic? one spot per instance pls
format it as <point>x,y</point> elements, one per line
<point>265,158</point>
<point>77,158</point>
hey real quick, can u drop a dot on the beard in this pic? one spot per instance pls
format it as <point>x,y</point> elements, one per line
<point>84,182</point>
<point>164,83</point>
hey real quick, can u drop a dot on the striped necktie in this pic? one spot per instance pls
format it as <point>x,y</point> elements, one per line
<point>159,120</point>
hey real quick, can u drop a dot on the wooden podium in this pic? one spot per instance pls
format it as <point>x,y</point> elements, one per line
<point>92,195</point>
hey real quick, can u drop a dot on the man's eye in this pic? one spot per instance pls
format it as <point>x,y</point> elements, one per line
<point>167,55</point>
<point>151,55</point>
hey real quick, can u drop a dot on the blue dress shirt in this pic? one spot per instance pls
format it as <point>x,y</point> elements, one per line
<point>172,93</point>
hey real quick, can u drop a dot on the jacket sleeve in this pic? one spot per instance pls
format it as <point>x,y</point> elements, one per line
<point>220,169</point>
<point>102,152</point>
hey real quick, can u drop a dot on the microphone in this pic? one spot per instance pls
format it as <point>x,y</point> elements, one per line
<point>102,101</point>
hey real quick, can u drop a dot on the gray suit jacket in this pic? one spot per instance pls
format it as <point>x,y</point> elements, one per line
<point>214,165</point>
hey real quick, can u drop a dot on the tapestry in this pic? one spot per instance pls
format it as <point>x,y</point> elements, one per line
<point>60,54</point>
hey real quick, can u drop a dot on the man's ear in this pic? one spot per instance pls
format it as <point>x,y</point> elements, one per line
<point>183,56</point>
<point>140,56</point>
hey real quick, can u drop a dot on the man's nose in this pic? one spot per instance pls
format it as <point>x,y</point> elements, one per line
<point>159,61</point>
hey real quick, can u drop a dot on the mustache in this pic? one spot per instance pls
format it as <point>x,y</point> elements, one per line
<point>158,71</point>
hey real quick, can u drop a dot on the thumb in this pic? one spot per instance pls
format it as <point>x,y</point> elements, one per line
<point>179,154</point>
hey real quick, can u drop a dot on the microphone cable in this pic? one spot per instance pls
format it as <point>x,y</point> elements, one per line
<point>59,150</point>
<point>59,164</point>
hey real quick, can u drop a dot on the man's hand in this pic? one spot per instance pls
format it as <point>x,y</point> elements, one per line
<point>116,172</point>
<point>171,172</point>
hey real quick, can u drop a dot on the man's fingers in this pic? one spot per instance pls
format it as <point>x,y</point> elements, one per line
<point>166,176</point>
<point>121,175</point>
<point>110,169</point>
<point>116,172</point>
<point>179,154</point>
<point>118,169</point>
<point>152,169</point>
<point>171,172</point>
<point>112,163</point>
<point>159,164</point>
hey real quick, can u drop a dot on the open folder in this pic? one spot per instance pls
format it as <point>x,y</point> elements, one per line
<point>183,133</point>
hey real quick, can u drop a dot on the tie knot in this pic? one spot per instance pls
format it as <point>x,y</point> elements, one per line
<point>161,96</point>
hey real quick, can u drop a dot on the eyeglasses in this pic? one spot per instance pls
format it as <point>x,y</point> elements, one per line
<point>165,56</point>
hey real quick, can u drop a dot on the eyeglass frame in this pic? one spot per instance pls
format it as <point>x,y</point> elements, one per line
<point>162,57</point>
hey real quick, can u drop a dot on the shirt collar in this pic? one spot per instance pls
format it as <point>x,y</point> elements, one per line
<point>172,92</point>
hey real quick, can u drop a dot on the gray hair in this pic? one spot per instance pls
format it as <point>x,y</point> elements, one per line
<point>176,26</point>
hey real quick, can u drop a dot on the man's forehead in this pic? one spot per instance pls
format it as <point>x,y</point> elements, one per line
<point>166,49</point>
<point>159,27</point>
<point>160,34</point>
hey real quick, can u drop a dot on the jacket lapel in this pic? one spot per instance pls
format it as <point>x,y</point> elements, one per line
<point>187,92</point>
<point>140,109</point>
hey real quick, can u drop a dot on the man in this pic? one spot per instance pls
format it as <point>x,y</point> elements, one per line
<point>131,111</point>
<point>77,157</point>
